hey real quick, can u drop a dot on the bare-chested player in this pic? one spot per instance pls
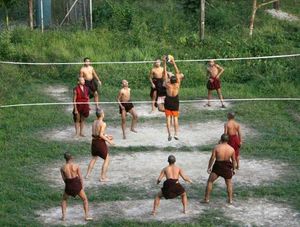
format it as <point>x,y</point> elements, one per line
<point>171,187</point>
<point>125,105</point>
<point>172,99</point>
<point>99,147</point>
<point>214,72</point>
<point>157,88</point>
<point>81,106</point>
<point>233,130</point>
<point>222,163</point>
<point>91,79</point>
<point>72,177</point>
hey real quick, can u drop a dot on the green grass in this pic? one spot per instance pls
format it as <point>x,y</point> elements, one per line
<point>22,150</point>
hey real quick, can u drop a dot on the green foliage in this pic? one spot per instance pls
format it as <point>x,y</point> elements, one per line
<point>191,6</point>
<point>7,49</point>
<point>115,15</point>
<point>145,30</point>
<point>7,3</point>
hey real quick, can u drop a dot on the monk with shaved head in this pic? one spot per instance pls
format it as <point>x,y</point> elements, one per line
<point>71,175</point>
<point>171,102</point>
<point>221,164</point>
<point>99,147</point>
<point>91,79</point>
<point>157,88</point>
<point>126,106</point>
<point>171,187</point>
<point>81,106</point>
<point>233,130</point>
<point>214,72</point>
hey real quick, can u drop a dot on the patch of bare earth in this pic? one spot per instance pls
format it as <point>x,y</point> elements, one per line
<point>59,92</point>
<point>247,213</point>
<point>281,15</point>
<point>170,210</point>
<point>141,169</point>
<point>63,94</point>
<point>191,134</point>
<point>262,212</point>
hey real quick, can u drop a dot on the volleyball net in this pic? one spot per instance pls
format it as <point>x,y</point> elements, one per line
<point>241,69</point>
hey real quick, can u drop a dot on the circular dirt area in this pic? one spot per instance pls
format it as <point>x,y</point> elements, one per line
<point>262,212</point>
<point>246,213</point>
<point>193,134</point>
<point>141,169</point>
<point>63,94</point>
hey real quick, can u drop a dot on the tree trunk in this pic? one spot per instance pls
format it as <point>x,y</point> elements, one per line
<point>276,5</point>
<point>30,13</point>
<point>6,17</point>
<point>84,15</point>
<point>254,8</point>
<point>202,19</point>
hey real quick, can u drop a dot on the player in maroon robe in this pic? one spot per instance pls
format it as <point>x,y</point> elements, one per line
<point>81,106</point>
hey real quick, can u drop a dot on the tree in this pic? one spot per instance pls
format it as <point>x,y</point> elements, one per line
<point>30,13</point>
<point>7,4</point>
<point>255,7</point>
<point>276,5</point>
<point>202,19</point>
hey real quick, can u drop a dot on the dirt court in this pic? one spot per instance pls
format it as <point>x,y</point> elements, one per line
<point>125,169</point>
<point>247,213</point>
<point>192,134</point>
<point>63,94</point>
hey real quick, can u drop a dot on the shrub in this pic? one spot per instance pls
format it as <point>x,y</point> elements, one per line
<point>114,15</point>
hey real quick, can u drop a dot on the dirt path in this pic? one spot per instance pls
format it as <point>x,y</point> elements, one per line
<point>281,15</point>
<point>192,134</point>
<point>247,213</point>
<point>141,169</point>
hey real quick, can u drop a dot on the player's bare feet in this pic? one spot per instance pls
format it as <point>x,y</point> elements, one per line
<point>82,135</point>
<point>76,136</point>
<point>133,130</point>
<point>63,218</point>
<point>223,106</point>
<point>204,201</point>
<point>88,218</point>
<point>153,213</point>
<point>184,211</point>
<point>169,138</point>
<point>86,177</point>
<point>207,105</point>
<point>229,202</point>
<point>103,179</point>
<point>176,138</point>
<point>124,137</point>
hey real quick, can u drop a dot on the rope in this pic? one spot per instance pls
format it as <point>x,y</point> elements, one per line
<point>146,102</point>
<point>146,62</point>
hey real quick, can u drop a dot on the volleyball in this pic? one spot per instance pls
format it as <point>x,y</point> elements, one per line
<point>170,57</point>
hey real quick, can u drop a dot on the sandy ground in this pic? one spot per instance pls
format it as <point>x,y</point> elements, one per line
<point>141,169</point>
<point>261,212</point>
<point>252,173</point>
<point>281,15</point>
<point>192,134</point>
<point>59,92</point>
<point>246,213</point>
<point>63,94</point>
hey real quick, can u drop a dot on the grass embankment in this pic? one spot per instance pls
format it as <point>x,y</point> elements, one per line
<point>149,36</point>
